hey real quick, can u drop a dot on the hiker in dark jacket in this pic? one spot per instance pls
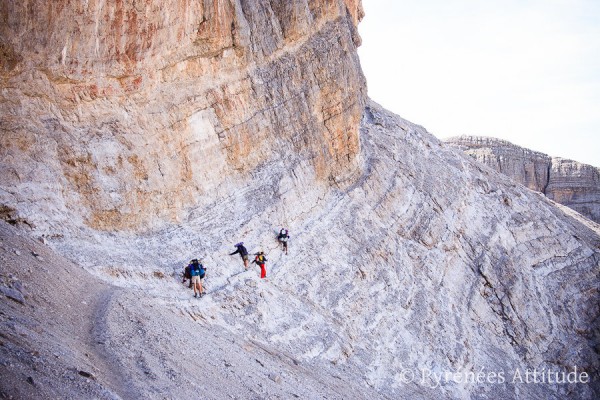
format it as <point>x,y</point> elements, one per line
<point>260,260</point>
<point>283,238</point>
<point>187,275</point>
<point>241,250</point>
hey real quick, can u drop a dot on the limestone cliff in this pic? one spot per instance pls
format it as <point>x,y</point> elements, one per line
<point>138,135</point>
<point>575,185</point>
<point>123,115</point>
<point>567,182</point>
<point>427,271</point>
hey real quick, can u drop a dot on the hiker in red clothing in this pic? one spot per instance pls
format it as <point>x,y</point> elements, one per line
<point>260,260</point>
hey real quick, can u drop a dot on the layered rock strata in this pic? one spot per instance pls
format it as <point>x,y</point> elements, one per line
<point>139,135</point>
<point>567,182</point>
<point>125,115</point>
<point>429,263</point>
<point>575,185</point>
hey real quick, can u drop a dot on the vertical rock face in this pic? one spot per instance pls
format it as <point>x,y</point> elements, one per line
<point>567,182</point>
<point>530,168</point>
<point>237,118</point>
<point>575,185</point>
<point>125,114</point>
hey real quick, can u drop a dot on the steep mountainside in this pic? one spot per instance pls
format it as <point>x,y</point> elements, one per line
<point>567,182</point>
<point>66,334</point>
<point>125,115</point>
<point>427,265</point>
<point>139,135</point>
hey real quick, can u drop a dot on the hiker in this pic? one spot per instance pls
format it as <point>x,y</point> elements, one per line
<point>242,252</point>
<point>260,260</point>
<point>283,238</point>
<point>198,272</point>
<point>187,275</point>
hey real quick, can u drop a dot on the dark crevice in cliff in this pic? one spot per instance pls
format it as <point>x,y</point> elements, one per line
<point>498,305</point>
<point>548,172</point>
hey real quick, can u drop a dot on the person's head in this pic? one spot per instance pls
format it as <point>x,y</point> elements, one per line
<point>240,244</point>
<point>262,253</point>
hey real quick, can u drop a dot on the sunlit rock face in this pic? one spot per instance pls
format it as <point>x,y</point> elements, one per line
<point>123,115</point>
<point>141,134</point>
<point>567,182</point>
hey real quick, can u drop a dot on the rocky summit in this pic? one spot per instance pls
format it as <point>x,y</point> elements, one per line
<point>567,182</point>
<point>137,136</point>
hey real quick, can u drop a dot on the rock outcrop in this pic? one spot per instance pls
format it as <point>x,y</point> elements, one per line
<point>567,182</point>
<point>138,135</point>
<point>575,185</point>
<point>126,115</point>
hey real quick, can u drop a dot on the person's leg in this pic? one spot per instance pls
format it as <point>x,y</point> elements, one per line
<point>195,284</point>
<point>246,262</point>
<point>263,271</point>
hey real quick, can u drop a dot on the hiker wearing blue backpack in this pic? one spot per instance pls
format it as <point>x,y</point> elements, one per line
<point>198,272</point>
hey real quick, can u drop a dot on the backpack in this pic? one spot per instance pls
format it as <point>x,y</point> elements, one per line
<point>283,235</point>
<point>195,268</point>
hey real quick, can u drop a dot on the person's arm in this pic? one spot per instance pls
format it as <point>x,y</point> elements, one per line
<point>236,251</point>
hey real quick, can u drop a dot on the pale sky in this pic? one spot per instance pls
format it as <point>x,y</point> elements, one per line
<point>527,71</point>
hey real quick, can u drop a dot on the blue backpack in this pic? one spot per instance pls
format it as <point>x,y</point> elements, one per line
<point>197,269</point>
